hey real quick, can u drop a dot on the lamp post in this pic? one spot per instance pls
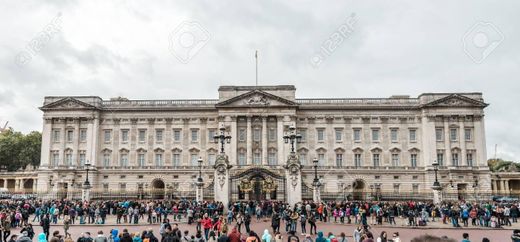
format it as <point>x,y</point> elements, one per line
<point>316,182</point>
<point>437,188</point>
<point>86,185</point>
<point>222,138</point>
<point>199,183</point>
<point>291,137</point>
<point>475,188</point>
<point>342,186</point>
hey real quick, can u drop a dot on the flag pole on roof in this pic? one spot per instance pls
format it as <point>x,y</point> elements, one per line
<point>256,59</point>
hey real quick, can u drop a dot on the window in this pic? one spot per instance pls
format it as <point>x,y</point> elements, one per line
<point>122,187</point>
<point>83,135</point>
<point>176,159</point>
<point>211,135</point>
<point>453,134</point>
<point>105,188</point>
<point>375,159</point>
<point>415,188</point>
<point>413,160</point>
<point>158,135</point>
<point>194,159</point>
<point>467,134</point>
<point>211,159</point>
<point>320,134</point>
<point>469,159</point>
<point>124,160</point>
<point>439,134</point>
<point>194,135</point>
<point>242,134</point>
<point>455,159</point>
<point>241,157</point>
<point>396,188</point>
<point>393,135</point>
<point>56,135</point>
<point>396,177</point>
<point>357,135</point>
<point>82,159</point>
<point>357,160</point>
<point>124,135</point>
<point>68,159</point>
<point>395,160</point>
<point>413,135</point>
<point>303,158</point>
<point>256,134</point>
<point>70,135</point>
<point>142,135</point>
<point>140,160</point>
<point>303,133</point>
<point>339,134</point>
<point>55,159</point>
<point>159,160</point>
<point>107,136</point>
<point>375,134</point>
<point>271,158</point>
<point>321,159</point>
<point>257,158</point>
<point>339,160</point>
<point>272,134</point>
<point>440,158</point>
<point>176,135</point>
<point>106,160</point>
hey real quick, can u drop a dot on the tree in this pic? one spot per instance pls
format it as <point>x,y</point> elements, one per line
<point>497,164</point>
<point>18,150</point>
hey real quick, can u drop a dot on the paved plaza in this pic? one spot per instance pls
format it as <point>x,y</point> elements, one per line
<point>406,232</point>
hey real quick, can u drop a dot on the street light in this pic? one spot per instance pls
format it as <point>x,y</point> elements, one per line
<point>291,137</point>
<point>435,165</point>
<point>316,181</point>
<point>87,167</point>
<point>222,138</point>
<point>199,179</point>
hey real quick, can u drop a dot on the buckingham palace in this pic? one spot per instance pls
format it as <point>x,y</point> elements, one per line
<point>262,142</point>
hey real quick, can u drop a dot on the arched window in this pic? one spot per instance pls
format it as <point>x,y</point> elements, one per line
<point>376,157</point>
<point>68,157</point>
<point>241,157</point>
<point>396,157</point>
<point>257,157</point>
<point>271,157</point>
<point>176,157</point>
<point>358,157</point>
<point>455,157</point>
<point>141,157</point>
<point>107,157</point>
<point>339,157</point>
<point>123,158</point>
<point>303,156</point>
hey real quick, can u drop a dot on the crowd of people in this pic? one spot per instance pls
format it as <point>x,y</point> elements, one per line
<point>213,221</point>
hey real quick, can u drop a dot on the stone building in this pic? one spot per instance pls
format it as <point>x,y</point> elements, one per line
<point>366,147</point>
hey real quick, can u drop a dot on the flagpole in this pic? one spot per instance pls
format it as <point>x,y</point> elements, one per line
<point>256,59</point>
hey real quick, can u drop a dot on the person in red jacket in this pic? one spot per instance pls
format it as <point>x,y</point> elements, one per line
<point>206,225</point>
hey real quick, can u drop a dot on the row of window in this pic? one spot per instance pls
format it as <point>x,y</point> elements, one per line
<point>455,159</point>
<point>357,134</point>
<point>124,135</point>
<point>454,134</point>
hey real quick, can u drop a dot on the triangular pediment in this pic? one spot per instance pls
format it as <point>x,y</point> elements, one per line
<point>67,104</point>
<point>256,98</point>
<point>456,100</point>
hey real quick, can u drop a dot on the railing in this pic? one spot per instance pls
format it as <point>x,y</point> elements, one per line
<point>153,103</point>
<point>363,101</point>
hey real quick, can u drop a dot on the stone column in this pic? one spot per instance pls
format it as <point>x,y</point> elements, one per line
<point>85,193</point>
<point>264,141</point>
<point>480,141</point>
<point>16,185</point>
<point>293,180</point>
<point>506,186</point>
<point>75,140</point>
<point>46,142</point>
<point>199,193</point>
<point>316,197</point>
<point>462,141</point>
<point>447,147</point>
<point>279,135</point>
<point>249,145</point>
<point>221,184</point>
<point>232,147</point>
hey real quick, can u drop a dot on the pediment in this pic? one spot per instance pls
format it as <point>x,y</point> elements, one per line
<point>456,100</point>
<point>67,104</point>
<point>256,98</point>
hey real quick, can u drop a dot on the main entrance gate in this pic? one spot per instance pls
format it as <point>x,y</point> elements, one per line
<point>258,184</point>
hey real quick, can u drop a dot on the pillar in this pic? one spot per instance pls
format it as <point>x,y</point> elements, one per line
<point>316,197</point>
<point>447,159</point>
<point>221,182</point>
<point>249,146</point>
<point>199,193</point>
<point>463,161</point>
<point>264,141</point>
<point>506,186</point>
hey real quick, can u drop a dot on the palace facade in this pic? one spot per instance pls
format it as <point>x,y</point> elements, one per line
<point>366,148</point>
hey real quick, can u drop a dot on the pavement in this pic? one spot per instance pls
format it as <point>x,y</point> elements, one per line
<point>406,232</point>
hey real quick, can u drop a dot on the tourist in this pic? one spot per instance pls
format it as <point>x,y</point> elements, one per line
<point>342,237</point>
<point>303,223</point>
<point>13,238</point>
<point>68,238</point>
<point>252,237</point>
<point>278,237</point>
<point>266,237</point>
<point>29,229</point>
<point>42,237</point>
<point>308,238</point>
<point>357,234</point>
<point>465,237</point>
<point>24,237</point>
<point>137,238</point>
<point>312,223</point>
<point>382,237</point>
<point>6,227</point>
<point>516,235</point>
<point>100,237</point>
<point>395,237</point>
<point>212,237</point>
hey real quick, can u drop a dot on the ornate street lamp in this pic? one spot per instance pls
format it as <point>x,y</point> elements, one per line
<point>222,138</point>
<point>435,165</point>
<point>291,137</point>
<point>87,167</point>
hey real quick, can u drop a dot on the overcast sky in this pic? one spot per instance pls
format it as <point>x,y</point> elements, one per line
<point>186,49</point>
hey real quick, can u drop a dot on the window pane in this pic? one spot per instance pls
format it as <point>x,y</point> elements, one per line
<point>467,134</point>
<point>413,133</point>
<point>375,134</point>
<point>338,135</point>
<point>321,134</point>
<point>159,135</point>
<point>439,134</point>
<point>453,134</point>
<point>142,135</point>
<point>177,135</point>
<point>357,134</point>
<point>194,135</point>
